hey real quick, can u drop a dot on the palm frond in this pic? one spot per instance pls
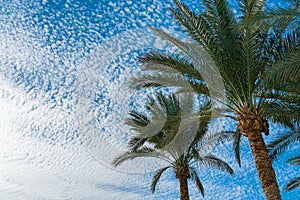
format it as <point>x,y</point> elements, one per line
<point>136,142</point>
<point>209,141</point>
<point>284,113</point>
<point>184,84</point>
<point>157,177</point>
<point>294,160</point>
<point>292,184</point>
<point>155,60</point>
<point>211,161</point>
<point>284,70</point>
<point>144,152</point>
<point>252,7</point>
<point>282,142</point>
<point>278,16</point>
<point>236,147</point>
<point>195,178</point>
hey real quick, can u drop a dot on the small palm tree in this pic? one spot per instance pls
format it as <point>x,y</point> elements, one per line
<point>280,144</point>
<point>165,141</point>
<point>237,53</point>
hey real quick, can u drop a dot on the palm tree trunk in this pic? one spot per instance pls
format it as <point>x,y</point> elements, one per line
<point>184,190</point>
<point>263,164</point>
<point>182,173</point>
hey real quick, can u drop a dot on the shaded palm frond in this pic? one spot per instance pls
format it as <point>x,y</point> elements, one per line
<point>135,143</point>
<point>207,143</point>
<point>292,184</point>
<point>157,177</point>
<point>282,142</point>
<point>294,160</point>
<point>213,162</point>
<point>278,16</point>
<point>236,147</point>
<point>138,118</point>
<point>284,70</point>
<point>284,113</point>
<point>195,178</point>
<point>251,8</point>
<point>144,152</point>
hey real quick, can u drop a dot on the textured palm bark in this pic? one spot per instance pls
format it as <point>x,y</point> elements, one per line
<point>184,191</point>
<point>252,123</point>
<point>264,167</point>
<point>182,173</point>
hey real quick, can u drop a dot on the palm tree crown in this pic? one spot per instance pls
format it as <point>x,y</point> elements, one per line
<point>166,141</point>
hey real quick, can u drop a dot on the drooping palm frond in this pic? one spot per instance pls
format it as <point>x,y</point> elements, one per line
<point>294,160</point>
<point>158,79</point>
<point>236,147</point>
<point>292,184</point>
<point>211,161</point>
<point>141,124</point>
<point>144,152</point>
<point>284,113</point>
<point>157,177</point>
<point>278,16</point>
<point>155,60</point>
<point>285,70</point>
<point>195,178</point>
<point>207,143</point>
<point>282,142</point>
<point>136,142</point>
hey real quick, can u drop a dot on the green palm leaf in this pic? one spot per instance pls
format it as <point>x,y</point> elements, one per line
<point>282,142</point>
<point>236,147</point>
<point>213,162</point>
<point>195,178</point>
<point>292,184</point>
<point>294,160</point>
<point>157,177</point>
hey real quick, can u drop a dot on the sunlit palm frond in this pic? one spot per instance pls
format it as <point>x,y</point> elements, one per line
<point>292,184</point>
<point>282,142</point>
<point>195,178</point>
<point>157,177</point>
<point>155,61</point>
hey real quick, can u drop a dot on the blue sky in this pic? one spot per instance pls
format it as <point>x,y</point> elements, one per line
<point>63,99</point>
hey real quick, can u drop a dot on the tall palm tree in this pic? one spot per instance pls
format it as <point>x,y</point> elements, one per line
<point>165,141</point>
<point>240,50</point>
<point>280,144</point>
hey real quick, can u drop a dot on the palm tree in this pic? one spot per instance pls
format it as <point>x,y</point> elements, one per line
<point>280,144</point>
<point>240,51</point>
<point>171,143</point>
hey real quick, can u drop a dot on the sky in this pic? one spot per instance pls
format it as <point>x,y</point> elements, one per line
<point>64,66</point>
